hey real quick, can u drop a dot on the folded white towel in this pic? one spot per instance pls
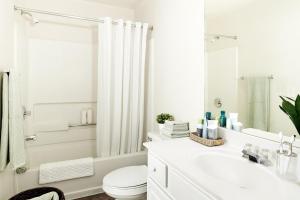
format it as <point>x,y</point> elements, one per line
<point>47,196</point>
<point>176,126</point>
<point>65,170</point>
<point>176,136</point>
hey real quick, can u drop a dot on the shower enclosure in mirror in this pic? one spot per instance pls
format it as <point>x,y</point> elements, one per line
<point>252,58</point>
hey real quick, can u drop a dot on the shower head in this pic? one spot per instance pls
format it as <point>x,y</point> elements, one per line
<point>30,17</point>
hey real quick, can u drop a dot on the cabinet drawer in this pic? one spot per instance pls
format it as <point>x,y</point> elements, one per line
<point>154,192</point>
<point>179,188</point>
<point>157,171</point>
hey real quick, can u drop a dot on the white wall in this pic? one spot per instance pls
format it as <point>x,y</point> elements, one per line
<point>6,34</point>
<point>178,74</point>
<point>222,69</point>
<point>268,43</point>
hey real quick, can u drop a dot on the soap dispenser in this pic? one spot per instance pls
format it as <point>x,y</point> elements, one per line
<point>286,160</point>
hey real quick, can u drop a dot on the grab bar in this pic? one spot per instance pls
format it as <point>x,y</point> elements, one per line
<point>79,125</point>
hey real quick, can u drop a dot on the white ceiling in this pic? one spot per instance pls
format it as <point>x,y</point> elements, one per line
<point>219,7</point>
<point>119,3</point>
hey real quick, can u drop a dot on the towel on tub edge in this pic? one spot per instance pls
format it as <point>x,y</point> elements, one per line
<point>66,170</point>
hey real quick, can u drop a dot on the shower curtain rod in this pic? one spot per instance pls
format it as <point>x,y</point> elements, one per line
<point>29,10</point>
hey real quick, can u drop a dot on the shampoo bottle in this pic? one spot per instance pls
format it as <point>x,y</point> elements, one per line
<point>222,119</point>
<point>204,132</point>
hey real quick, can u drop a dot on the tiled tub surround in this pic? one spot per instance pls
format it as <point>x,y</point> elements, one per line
<point>180,160</point>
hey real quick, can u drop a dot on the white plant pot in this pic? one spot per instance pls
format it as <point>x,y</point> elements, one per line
<point>160,127</point>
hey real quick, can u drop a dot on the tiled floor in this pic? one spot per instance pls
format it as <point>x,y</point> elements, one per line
<point>97,197</point>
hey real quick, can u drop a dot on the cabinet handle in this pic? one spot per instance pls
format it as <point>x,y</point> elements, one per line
<point>154,169</point>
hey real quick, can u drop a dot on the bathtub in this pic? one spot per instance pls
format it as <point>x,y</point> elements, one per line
<point>78,142</point>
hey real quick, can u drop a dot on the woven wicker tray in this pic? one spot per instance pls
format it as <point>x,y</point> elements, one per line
<point>206,142</point>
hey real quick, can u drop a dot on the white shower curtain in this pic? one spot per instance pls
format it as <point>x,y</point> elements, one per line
<point>121,74</point>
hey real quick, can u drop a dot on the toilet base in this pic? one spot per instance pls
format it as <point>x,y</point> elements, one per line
<point>134,197</point>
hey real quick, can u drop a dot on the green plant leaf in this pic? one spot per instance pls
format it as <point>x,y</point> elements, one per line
<point>293,111</point>
<point>283,110</point>
<point>289,98</point>
<point>297,104</point>
<point>289,108</point>
<point>161,118</point>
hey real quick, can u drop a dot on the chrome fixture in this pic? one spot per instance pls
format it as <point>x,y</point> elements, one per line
<point>32,18</point>
<point>21,170</point>
<point>289,152</point>
<point>256,155</point>
<point>30,138</point>
<point>28,11</point>
<point>218,102</point>
<point>287,160</point>
<point>26,112</point>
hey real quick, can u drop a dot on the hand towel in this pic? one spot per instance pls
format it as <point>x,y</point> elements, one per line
<point>16,133</point>
<point>258,97</point>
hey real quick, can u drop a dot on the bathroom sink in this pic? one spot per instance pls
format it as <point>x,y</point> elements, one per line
<point>237,172</point>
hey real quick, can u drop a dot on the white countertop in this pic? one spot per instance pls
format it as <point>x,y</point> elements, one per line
<point>180,154</point>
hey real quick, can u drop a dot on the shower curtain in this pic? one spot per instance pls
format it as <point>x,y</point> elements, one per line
<point>121,74</point>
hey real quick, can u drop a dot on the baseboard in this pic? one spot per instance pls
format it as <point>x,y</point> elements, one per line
<point>83,193</point>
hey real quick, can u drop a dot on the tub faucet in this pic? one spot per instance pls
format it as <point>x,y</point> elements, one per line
<point>256,155</point>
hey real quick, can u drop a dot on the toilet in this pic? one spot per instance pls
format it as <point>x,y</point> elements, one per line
<point>127,183</point>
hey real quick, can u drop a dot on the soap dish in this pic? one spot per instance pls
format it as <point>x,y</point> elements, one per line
<point>206,142</point>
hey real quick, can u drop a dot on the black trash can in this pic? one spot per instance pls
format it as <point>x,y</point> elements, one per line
<point>36,192</point>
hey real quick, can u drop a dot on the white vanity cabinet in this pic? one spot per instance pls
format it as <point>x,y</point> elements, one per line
<point>166,183</point>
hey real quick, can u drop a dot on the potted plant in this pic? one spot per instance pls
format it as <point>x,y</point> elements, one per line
<point>291,107</point>
<point>161,118</point>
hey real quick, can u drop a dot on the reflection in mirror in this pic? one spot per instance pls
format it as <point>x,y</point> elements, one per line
<point>252,58</point>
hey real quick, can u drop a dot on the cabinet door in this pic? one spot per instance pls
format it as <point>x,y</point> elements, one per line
<point>155,193</point>
<point>179,188</point>
<point>157,171</point>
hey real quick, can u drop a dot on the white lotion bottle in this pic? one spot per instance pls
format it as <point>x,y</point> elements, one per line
<point>89,116</point>
<point>228,123</point>
<point>84,117</point>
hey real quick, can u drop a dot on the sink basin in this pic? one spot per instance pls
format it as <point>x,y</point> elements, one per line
<point>237,172</point>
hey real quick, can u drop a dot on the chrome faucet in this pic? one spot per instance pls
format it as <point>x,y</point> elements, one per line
<point>287,160</point>
<point>257,156</point>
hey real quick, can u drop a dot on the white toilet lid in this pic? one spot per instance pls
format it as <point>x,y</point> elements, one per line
<point>126,177</point>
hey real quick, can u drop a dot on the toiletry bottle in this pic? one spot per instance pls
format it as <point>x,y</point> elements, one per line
<point>200,127</point>
<point>222,119</point>
<point>204,132</point>
<point>208,115</point>
<point>228,123</point>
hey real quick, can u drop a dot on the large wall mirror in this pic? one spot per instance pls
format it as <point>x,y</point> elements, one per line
<point>252,58</point>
